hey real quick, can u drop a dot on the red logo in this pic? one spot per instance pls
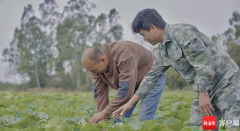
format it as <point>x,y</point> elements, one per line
<point>209,123</point>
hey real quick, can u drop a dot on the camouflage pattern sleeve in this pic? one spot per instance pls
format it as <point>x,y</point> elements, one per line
<point>152,77</point>
<point>196,53</point>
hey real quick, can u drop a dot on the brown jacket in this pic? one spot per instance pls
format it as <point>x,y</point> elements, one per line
<point>128,64</point>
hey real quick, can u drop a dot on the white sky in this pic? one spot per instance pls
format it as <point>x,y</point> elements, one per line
<point>209,16</point>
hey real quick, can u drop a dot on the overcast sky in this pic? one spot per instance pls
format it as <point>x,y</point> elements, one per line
<point>209,16</point>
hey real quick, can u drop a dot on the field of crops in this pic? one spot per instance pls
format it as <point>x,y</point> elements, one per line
<point>72,112</point>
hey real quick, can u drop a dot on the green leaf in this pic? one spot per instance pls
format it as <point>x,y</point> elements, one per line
<point>149,125</point>
<point>172,121</point>
<point>33,128</point>
<point>183,114</point>
<point>56,128</point>
<point>108,127</point>
<point>177,126</point>
<point>168,115</point>
<point>9,129</point>
<point>53,122</point>
<point>192,128</point>
<point>42,115</point>
<point>91,127</point>
<point>26,122</point>
<point>161,128</point>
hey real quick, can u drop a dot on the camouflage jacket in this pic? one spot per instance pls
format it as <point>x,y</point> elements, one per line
<point>200,61</point>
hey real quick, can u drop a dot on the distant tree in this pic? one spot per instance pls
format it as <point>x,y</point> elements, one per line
<point>78,31</point>
<point>230,39</point>
<point>30,49</point>
<point>47,50</point>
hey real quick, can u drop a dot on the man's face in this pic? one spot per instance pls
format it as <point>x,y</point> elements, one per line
<point>153,36</point>
<point>148,36</point>
<point>99,66</point>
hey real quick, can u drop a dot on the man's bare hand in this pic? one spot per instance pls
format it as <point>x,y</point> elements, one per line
<point>98,116</point>
<point>205,104</point>
<point>122,110</point>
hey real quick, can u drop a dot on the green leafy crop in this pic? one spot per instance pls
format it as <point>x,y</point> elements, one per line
<point>72,112</point>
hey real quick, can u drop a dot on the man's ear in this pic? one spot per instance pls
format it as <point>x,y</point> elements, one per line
<point>153,27</point>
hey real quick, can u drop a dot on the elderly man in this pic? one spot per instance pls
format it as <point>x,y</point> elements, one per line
<point>201,62</point>
<point>122,66</point>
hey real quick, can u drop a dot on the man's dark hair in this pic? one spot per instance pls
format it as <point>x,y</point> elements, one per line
<point>95,54</point>
<point>145,18</point>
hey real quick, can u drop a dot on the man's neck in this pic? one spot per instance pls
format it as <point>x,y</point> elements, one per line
<point>106,57</point>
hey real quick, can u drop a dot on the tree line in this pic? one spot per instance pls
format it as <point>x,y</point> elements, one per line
<point>46,49</point>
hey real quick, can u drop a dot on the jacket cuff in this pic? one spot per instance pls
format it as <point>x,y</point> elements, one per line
<point>202,88</point>
<point>108,110</point>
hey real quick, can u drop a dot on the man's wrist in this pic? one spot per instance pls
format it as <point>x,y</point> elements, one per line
<point>105,112</point>
<point>105,119</point>
<point>134,99</point>
<point>204,93</point>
